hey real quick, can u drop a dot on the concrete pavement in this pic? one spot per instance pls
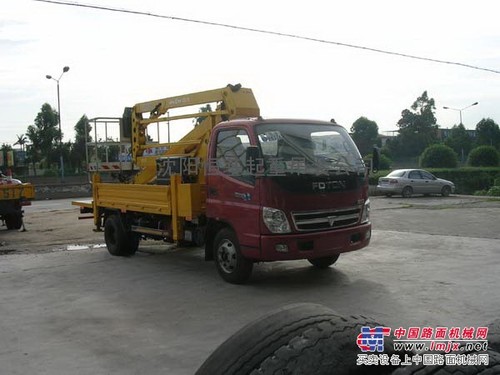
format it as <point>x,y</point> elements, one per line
<point>85,312</point>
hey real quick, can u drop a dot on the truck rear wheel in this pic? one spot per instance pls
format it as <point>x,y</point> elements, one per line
<point>231,265</point>
<point>296,339</point>
<point>118,241</point>
<point>14,220</point>
<point>324,262</point>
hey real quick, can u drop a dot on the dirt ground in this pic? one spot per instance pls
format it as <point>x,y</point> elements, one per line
<point>69,307</point>
<point>54,225</point>
<point>49,231</point>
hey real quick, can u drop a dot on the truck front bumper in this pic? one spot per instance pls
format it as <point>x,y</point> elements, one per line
<point>312,245</point>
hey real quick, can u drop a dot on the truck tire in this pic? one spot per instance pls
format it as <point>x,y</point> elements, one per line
<point>324,262</point>
<point>494,335</point>
<point>231,265</point>
<point>14,220</point>
<point>296,339</point>
<point>492,368</point>
<point>118,241</point>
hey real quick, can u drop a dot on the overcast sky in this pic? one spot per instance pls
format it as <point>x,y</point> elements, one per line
<point>117,60</point>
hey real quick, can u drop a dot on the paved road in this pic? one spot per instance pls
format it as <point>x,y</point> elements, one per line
<point>53,204</point>
<point>431,262</point>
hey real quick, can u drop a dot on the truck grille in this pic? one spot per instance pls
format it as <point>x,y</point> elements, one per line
<point>323,220</point>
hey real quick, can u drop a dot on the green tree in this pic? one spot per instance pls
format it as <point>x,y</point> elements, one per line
<point>5,147</point>
<point>82,135</point>
<point>417,127</point>
<point>487,133</point>
<point>460,141</point>
<point>204,109</point>
<point>439,156</point>
<point>484,156</point>
<point>44,136</point>
<point>66,152</point>
<point>364,133</point>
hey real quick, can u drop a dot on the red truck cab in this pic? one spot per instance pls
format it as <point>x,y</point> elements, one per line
<point>283,189</point>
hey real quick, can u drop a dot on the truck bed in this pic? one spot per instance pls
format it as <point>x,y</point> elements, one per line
<point>24,191</point>
<point>153,199</point>
<point>83,204</point>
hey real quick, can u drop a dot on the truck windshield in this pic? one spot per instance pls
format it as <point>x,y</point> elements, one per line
<point>308,149</point>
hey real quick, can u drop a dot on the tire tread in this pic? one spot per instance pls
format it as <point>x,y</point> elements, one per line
<point>266,345</point>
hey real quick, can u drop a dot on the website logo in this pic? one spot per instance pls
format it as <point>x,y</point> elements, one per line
<point>372,339</point>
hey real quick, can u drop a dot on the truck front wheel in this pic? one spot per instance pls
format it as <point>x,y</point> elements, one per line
<point>231,265</point>
<point>324,262</point>
<point>118,241</point>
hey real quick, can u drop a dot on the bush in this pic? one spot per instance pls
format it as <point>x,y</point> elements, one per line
<point>384,161</point>
<point>50,173</point>
<point>483,156</point>
<point>481,193</point>
<point>494,191</point>
<point>386,151</point>
<point>439,156</point>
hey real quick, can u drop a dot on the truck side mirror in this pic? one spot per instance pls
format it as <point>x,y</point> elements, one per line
<point>252,159</point>
<point>375,159</point>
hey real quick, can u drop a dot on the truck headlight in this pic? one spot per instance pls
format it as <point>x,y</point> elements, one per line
<point>275,220</point>
<point>365,215</point>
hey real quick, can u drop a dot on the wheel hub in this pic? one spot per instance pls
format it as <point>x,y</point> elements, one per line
<point>226,256</point>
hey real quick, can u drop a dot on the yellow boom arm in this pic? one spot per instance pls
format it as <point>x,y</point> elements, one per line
<point>232,102</point>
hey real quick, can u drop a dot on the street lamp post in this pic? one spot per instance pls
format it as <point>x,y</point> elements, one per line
<point>460,112</point>
<point>61,160</point>
<point>461,109</point>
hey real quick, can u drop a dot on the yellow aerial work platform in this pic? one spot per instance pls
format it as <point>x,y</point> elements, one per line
<point>142,195</point>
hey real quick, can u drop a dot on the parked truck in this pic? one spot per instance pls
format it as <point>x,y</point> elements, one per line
<point>14,195</point>
<point>247,189</point>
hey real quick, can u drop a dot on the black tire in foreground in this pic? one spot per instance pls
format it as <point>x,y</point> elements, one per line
<point>494,335</point>
<point>119,241</point>
<point>231,265</point>
<point>492,368</point>
<point>296,339</point>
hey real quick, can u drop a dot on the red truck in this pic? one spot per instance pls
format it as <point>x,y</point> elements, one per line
<point>246,188</point>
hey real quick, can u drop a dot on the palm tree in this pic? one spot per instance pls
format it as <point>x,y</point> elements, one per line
<point>21,141</point>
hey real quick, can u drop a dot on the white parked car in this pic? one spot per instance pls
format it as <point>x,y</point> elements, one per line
<point>407,182</point>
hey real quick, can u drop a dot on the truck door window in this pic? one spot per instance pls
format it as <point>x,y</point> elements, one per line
<point>231,154</point>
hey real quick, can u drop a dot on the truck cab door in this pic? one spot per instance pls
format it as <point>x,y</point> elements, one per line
<point>232,191</point>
